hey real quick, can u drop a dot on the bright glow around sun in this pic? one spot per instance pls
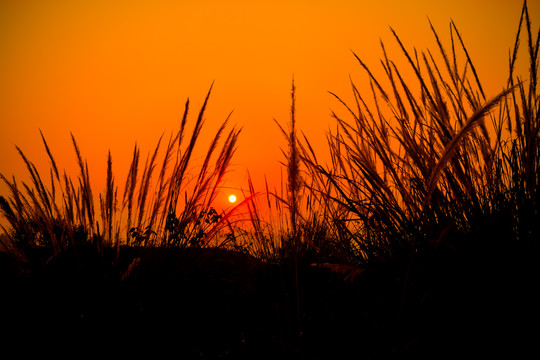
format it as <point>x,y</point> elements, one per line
<point>232,198</point>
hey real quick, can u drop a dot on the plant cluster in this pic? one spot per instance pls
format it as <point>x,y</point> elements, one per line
<point>425,157</point>
<point>418,237</point>
<point>175,210</point>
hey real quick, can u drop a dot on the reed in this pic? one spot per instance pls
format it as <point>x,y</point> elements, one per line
<point>294,181</point>
<point>424,153</point>
<point>408,167</point>
<point>62,216</point>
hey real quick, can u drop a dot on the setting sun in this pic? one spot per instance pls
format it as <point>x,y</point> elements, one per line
<point>232,198</point>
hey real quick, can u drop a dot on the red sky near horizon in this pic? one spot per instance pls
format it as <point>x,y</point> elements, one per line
<point>118,72</point>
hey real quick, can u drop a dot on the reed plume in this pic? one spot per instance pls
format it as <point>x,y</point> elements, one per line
<point>62,214</point>
<point>409,166</point>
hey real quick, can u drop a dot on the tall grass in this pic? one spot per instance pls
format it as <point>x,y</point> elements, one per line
<point>424,155</point>
<point>414,165</point>
<point>174,210</point>
<point>291,227</point>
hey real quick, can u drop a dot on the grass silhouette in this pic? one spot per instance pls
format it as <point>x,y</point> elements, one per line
<point>417,240</point>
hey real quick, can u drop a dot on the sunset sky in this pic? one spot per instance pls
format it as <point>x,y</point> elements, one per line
<point>118,72</point>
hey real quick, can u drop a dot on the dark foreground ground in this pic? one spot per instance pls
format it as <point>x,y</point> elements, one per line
<point>214,304</point>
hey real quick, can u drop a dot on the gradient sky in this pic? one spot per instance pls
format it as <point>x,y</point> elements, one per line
<point>115,72</point>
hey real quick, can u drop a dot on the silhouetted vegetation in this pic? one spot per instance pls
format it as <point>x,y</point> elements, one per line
<point>418,239</point>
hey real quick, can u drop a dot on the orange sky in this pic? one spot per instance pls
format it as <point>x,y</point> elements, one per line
<point>115,72</point>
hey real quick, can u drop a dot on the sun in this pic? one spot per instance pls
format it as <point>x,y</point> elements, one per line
<point>232,198</point>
